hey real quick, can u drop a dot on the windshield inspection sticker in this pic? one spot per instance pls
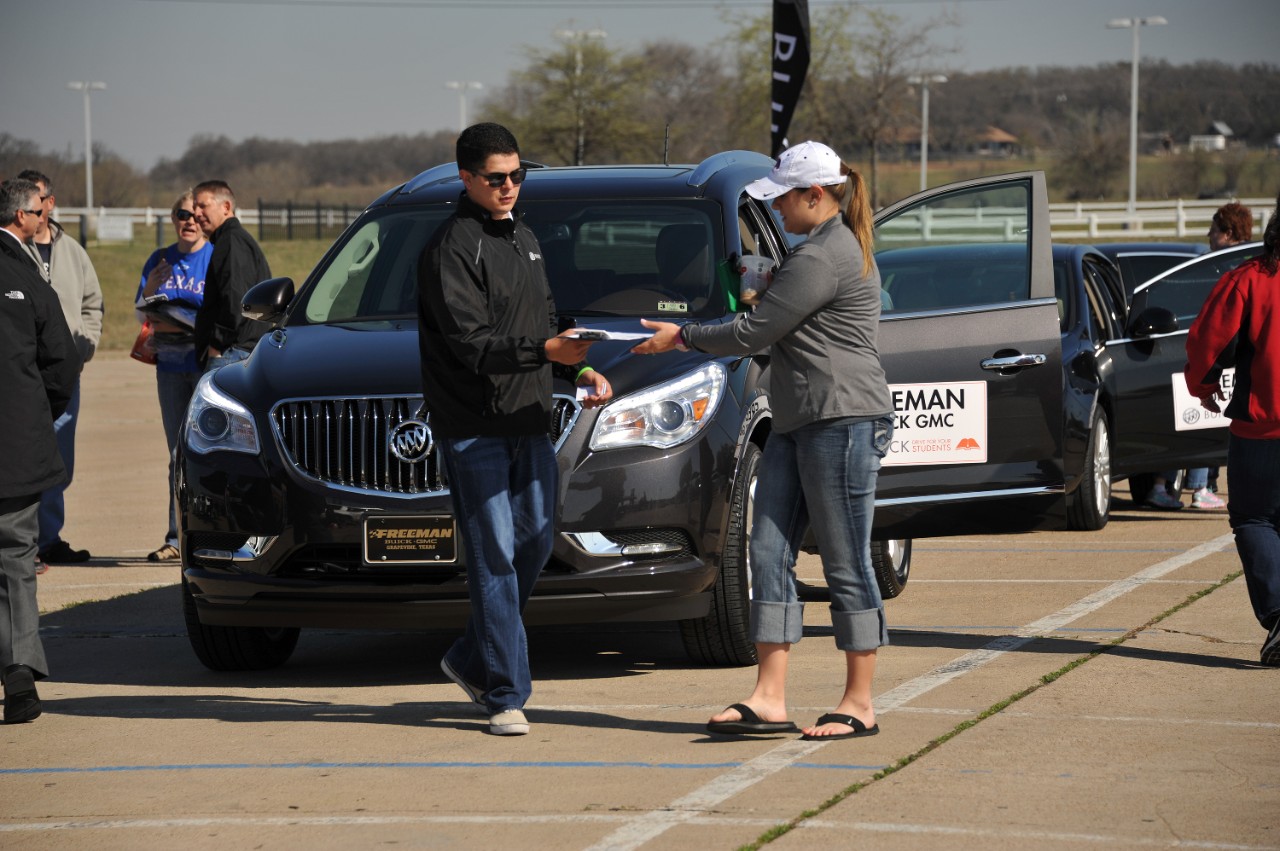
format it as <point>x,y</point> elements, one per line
<point>938,424</point>
<point>1189,415</point>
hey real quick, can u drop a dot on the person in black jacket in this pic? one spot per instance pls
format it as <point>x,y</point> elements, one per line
<point>487,334</point>
<point>39,367</point>
<point>222,334</point>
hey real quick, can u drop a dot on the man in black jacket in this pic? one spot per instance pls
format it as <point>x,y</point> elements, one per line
<point>487,333</point>
<point>39,366</point>
<point>222,334</point>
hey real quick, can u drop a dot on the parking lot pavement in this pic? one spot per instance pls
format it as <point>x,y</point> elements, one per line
<point>1048,690</point>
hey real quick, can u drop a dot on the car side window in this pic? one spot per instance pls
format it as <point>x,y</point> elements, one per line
<point>1104,317</point>
<point>964,248</point>
<point>1184,290</point>
<point>373,273</point>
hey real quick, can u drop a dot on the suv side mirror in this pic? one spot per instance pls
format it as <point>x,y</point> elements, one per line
<point>1153,320</point>
<point>268,300</point>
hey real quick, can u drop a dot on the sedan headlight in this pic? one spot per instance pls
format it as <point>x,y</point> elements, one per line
<point>216,422</point>
<point>662,416</point>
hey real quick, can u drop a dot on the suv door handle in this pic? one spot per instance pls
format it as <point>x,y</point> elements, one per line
<point>1013,361</point>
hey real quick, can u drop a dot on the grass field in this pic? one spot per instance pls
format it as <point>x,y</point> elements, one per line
<point>119,269</point>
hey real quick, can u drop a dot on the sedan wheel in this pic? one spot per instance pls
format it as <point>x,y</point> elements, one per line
<point>1089,507</point>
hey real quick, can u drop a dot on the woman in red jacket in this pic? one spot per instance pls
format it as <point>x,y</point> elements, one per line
<point>1240,325</point>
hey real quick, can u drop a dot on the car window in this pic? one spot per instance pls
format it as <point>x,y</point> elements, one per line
<point>1101,291</point>
<point>630,259</point>
<point>1184,289</point>
<point>1140,268</point>
<point>373,274</point>
<point>964,248</point>
<point>606,258</point>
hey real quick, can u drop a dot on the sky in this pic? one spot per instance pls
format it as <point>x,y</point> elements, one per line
<point>323,70</point>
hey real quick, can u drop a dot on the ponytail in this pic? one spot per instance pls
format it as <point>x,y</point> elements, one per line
<point>857,212</point>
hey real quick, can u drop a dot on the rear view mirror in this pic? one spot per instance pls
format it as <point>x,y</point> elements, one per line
<point>268,300</point>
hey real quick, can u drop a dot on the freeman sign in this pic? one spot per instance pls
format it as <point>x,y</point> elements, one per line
<point>938,424</point>
<point>410,540</point>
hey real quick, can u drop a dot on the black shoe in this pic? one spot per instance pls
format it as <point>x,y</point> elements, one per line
<point>1271,647</point>
<point>21,702</point>
<point>61,553</point>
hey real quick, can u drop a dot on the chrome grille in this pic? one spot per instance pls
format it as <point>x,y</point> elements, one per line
<point>344,442</point>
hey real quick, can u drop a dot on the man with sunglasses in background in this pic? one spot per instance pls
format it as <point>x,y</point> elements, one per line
<point>222,334</point>
<point>39,368</point>
<point>66,266</point>
<point>487,334</point>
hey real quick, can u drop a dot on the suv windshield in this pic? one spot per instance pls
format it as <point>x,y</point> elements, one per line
<point>619,258</point>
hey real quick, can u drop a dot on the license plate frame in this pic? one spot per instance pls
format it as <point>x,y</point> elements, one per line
<point>417,540</point>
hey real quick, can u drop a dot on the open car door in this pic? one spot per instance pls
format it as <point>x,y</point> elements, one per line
<point>970,341</point>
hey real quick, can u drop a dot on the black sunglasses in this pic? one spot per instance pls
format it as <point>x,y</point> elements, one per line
<point>497,178</point>
<point>36,213</point>
<point>183,215</point>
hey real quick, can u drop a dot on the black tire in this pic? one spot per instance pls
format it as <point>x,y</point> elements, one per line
<point>236,648</point>
<point>1089,508</point>
<point>891,561</point>
<point>722,637</point>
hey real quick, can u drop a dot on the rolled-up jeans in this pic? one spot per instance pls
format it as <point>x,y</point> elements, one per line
<point>824,475</point>
<point>1253,506</point>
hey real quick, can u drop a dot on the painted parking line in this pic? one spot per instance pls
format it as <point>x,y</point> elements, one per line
<point>330,766</point>
<point>650,825</point>
<point>1029,838</point>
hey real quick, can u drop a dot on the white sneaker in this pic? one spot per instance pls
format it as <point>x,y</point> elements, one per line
<point>1207,499</point>
<point>508,722</point>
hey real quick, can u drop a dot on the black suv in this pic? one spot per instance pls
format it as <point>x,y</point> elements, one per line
<point>310,494</point>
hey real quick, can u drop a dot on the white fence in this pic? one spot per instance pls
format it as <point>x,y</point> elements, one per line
<point>1157,220</point>
<point>1099,222</point>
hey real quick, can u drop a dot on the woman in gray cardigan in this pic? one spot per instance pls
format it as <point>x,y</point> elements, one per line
<point>832,425</point>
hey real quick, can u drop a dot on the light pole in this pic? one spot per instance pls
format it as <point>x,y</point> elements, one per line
<point>461,86</point>
<point>1135,24</point>
<point>577,37</point>
<point>923,82</point>
<point>87,87</point>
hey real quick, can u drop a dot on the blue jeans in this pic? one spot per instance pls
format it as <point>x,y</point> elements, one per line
<point>822,475</point>
<point>1197,478</point>
<point>174,390</point>
<point>504,495</point>
<point>53,506</point>
<point>231,355</point>
<point>1253,505</point>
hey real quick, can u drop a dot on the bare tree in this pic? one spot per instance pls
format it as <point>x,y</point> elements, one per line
<point>1093,154</point>
<point>875,97</point>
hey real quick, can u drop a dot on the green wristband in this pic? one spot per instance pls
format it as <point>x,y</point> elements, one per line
<point>584,369</point>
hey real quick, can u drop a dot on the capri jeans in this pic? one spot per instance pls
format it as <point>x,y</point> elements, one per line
<point>822,474</point>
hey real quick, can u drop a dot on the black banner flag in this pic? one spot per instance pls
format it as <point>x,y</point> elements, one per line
<point>790,64</point>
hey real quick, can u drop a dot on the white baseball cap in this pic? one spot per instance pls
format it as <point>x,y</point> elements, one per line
<point>800,166</point>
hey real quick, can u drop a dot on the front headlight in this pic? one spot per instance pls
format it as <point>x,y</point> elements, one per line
<point>662,416</point>
<point>216,422</point>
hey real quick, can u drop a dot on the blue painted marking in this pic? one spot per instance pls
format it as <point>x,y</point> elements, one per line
<point>1109,550</point>
<point>242,766</point>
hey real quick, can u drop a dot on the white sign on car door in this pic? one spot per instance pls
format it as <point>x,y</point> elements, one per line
<point>938,424</point>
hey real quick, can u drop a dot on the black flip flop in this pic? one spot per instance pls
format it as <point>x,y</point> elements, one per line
<point>750,724</point>
<point>859,729</point>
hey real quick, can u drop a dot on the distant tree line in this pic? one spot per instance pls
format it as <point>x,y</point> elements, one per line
<point>584,101</point>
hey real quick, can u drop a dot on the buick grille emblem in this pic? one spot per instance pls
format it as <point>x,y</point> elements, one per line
<point>410,441</point>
